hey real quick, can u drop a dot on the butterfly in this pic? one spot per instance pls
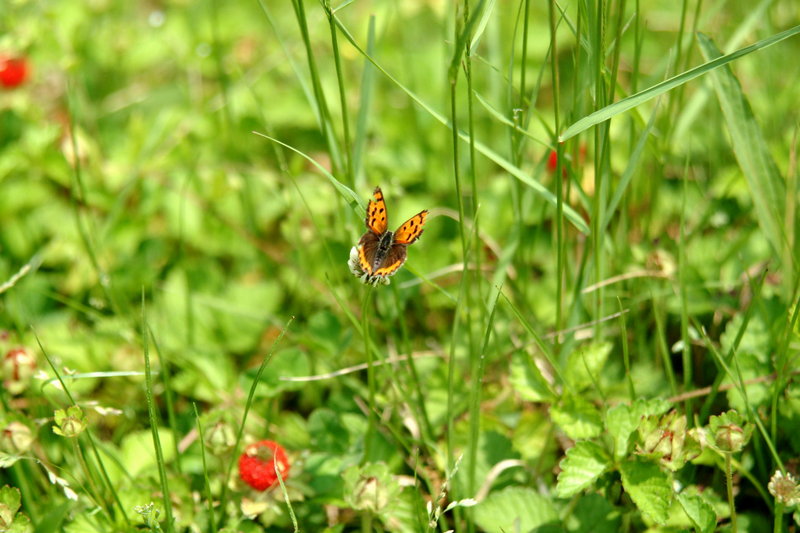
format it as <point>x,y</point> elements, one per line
<point>381,253</point>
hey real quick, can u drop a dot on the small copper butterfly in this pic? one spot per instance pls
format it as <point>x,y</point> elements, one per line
<point>381,253</point>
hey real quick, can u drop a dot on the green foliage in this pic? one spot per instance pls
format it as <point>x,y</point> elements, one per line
<point>649,487</point>
<point>702,515</point>
<point>598,330</point>
<point>514,509</point>
<point>11,520</point>
<point>577,417</point>
<point>582,465</point>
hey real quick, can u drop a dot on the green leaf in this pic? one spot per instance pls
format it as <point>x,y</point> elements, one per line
<point>514,509</point>
<point>328,433</point>
<point>649,488</point>
<point>751,151</point>
<point>752,360</point>
<point>10,499</point>
<point>6,460</point>
<point>240,315</point>
<point>492,447</point>
<point>632,101</point>
<point>21,524</point>
<point>699,512</point>
<point>10,520</point>
<point>583,464</point>
<point>371,487</point>
<point>586,363</point>
<point>485,17</point>
<point>287,363</point>
<point>622,420</point>
<point>577,418</point>
<point>527,379</point>
<point>594,514</point>
<point>138,454</point>
<point>325,473</point>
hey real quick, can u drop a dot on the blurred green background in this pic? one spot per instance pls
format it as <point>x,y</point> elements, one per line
<point>130,172</point>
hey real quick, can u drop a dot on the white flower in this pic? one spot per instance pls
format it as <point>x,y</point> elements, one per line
<point>367,279</point>
<point>784,488</point>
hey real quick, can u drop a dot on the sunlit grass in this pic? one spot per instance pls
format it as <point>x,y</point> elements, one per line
<point>596,332</point>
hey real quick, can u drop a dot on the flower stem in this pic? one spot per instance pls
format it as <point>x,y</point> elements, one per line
<point>778,517</point>
<point>729,483</point>
<point>370,377</point>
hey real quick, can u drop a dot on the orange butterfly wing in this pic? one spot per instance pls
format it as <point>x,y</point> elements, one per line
<point>394,260</point>
<point>411,229</point>
<point>376,213</point>
<point>367,248</point>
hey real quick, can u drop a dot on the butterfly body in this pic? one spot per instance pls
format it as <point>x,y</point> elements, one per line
<point>381,252</point>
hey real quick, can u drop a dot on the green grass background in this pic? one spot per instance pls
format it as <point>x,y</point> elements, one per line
<point>191,176</point>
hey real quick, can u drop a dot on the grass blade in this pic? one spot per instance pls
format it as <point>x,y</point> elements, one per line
<point>766,185</point>
<point>153,417</point>
<point>362,120</point>
<point>515,171</point>
<point>632,101</point>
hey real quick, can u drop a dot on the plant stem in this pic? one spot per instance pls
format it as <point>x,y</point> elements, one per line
<point>729,483</point>
<point>370,378</point>
<point>778,517</point>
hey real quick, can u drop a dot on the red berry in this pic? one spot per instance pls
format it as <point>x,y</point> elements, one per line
<point>13,71</point>
<point>552,161</point>
<point>258,463</point>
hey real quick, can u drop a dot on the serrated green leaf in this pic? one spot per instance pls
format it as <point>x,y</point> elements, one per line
<point>10,501</point>
<point>21,524</point>
<point>651,406</point>
<point>649,488</point>
<point>577,418</point>
<point>699,512</point>
<point>514,509</point>
<point>586,363</point>
<point>621,422</point>
<point>10,497</point>
<point>583,464</point>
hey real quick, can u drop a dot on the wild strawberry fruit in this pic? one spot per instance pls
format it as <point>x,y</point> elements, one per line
<point>13,71</point>
<point>259,461</point>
